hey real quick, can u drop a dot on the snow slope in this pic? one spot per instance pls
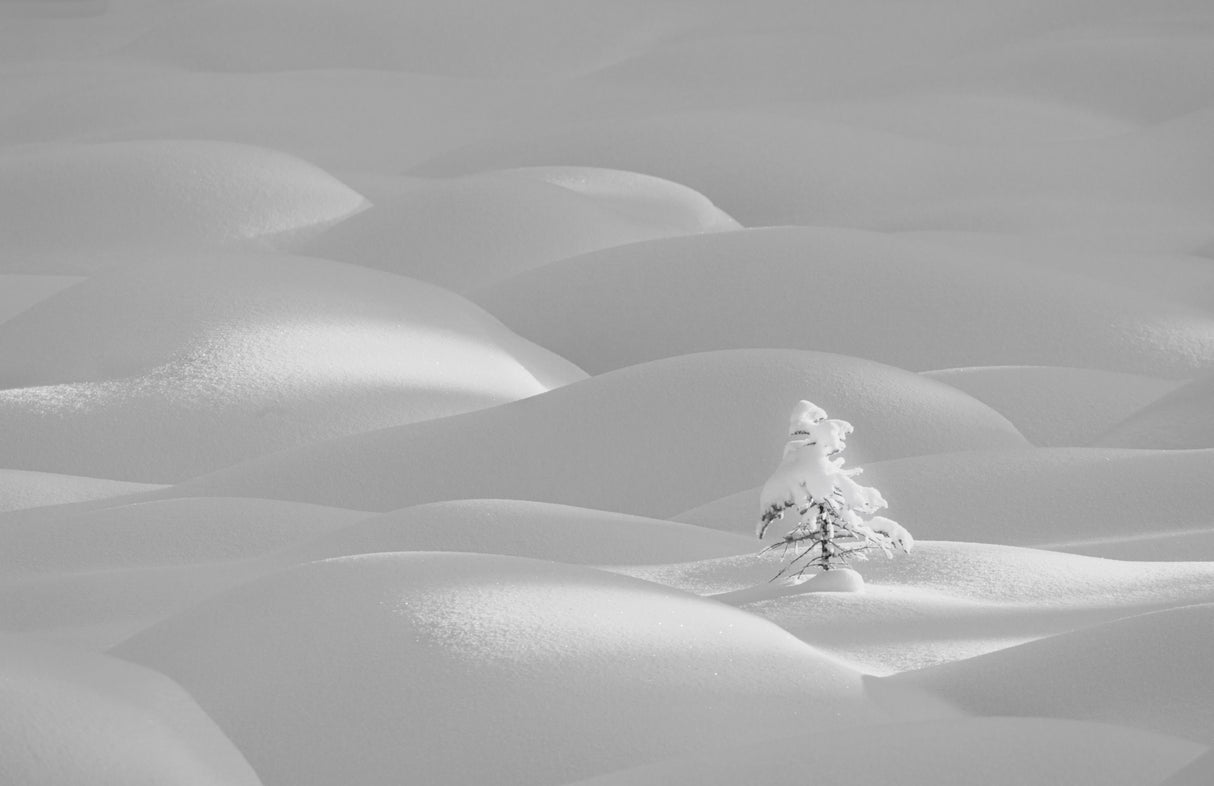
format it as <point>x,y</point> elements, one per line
<point>390,665</point>
<point>526,529</point>
<point>19,292</point>
<point>990,751</point>
<point>20,489</point>
<point>471,231</point>
<point>650,440</point>
<point>193,363</point>
<point>1127,504</point>
<point>1054,406</point>
<point>1147,671</point>
<point>891,298</point>
<point>112,200</point>
<point>71,718</point>
<point>1182,419</point>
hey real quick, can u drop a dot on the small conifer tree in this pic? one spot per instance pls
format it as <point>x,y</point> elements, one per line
<point>835,521</point>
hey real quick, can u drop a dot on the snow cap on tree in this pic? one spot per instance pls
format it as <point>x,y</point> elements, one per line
<point>804,416</point>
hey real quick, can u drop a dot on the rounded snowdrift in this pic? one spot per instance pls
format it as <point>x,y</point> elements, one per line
<point>389,665</point>
<point>19,292</point>
<point>1055,407</point>
<point>458,37</point>
<point>21,490</point>
<point>1149,671</point>
<point>1182,419</point>
<point>191,364</point>
<point>990,751</point>
<point>467,232</point>
<point>525,529</point>
<point>115,198</point>
<point>649,440</point>
<point>162,534</point>
<point>1127,504</point>
<point>890,298</point>
<point>80,719</point>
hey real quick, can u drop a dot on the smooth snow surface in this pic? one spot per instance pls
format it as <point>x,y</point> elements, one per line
<point>650,440</point>
<point>904,301</point>
<point>193,364</point>
<point>389,665</point>
<point>1158,659</point>
<point>387,388</point>
<point>1126,504</point>
<point>472,231</point>
<point>989,751</point>
<point>79,719</point>
<point>111,199</point>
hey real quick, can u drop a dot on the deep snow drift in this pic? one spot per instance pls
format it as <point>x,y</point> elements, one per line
<point>387,386</point>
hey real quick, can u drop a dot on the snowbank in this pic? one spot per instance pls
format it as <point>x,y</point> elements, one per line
<point>649,440</point>
<point>1127,504</point>
<point>19,292</point>
<point>113,200</point>
<point>525,529</point>
<point>467,232</point>
<point>20,490</point>
<point>390,666</point>
<point>1182,419</point>
<point>71,718</point>
<point>1149,671</point>
<point>990,751</point>
<point>195,363</point>
<point>1058,406</point>
<point>891,298</point>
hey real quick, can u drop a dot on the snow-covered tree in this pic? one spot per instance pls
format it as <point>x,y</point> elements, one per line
<point>835,521</point>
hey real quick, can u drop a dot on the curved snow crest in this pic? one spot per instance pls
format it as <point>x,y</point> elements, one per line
<point>24,490</point>
<point>661,436</point>
<point>896,299</point>
<point>1148,671</point>
<point>472,231</point>
<point>198,362</point>
<point>990,751</point>
<point>1059,407</point>
<point>112,200</point>
<point>537,530</point>
<point>386,665</point>
<point>1182,419</point>
<point>1117,503</point>
<point>81,719</point>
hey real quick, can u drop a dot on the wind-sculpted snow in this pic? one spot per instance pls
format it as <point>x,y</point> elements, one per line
<point>70,718</point>
<point>525,529</point>
<point>990,751</point>
<point>1059,407</point>
<point>1184,418</point>
<point>1126,504</point>
<point>21,489</point>
<point>1148,671</point>
<point>471,231</point>
<point>891,298</point>
<point>112,200</point>
<point>191,364</point>
<point>651,440</point>
<point>20,292</point>
<point>391,665</point>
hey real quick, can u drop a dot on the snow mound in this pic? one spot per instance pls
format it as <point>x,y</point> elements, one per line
<point>467,232</point>
<point>945,601</point>
<point>1058,406</point>
<point>1149,671</point>
<point>1199,773</point>
<point>1126,504</point>
<point>114,199</point>
<point>21,489</point>
<point>990,751</point>
<point>650,440</point>
<point>1182,419</point>
<point>69,718</point>
<point>193,363</point>
<point>389,665</point>
<point>459,37</point>
<point>890,298</point>
<point>19,292</point>
<point>162,534</point>
<point>525,529</point>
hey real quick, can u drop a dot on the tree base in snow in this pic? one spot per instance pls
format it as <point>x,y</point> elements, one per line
<point>836,580</point>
